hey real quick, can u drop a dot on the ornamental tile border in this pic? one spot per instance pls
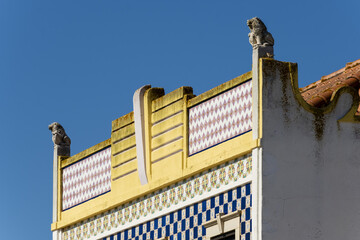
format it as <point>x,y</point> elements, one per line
<point>163,200</point>
<point>187,223</point>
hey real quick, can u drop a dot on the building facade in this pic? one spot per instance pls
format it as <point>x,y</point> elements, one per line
<point>253,158</point>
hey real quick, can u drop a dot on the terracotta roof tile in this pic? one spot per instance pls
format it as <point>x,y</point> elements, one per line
<point>318,94</point>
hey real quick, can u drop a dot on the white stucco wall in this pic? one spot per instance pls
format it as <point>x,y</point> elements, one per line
<point>310,166</point>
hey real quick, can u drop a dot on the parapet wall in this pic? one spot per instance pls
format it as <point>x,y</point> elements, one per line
<point>310,160</point>
<point>184,135</point>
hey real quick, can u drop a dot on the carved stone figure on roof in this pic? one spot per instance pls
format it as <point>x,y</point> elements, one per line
<point>60,138</point>
<point>259,36</point>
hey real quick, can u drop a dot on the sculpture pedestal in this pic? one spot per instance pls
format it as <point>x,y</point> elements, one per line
<point>263,52</point>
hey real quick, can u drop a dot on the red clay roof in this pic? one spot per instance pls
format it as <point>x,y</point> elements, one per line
<point>318,94</point>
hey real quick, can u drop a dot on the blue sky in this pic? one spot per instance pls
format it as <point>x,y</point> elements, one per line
<point>79,63</point>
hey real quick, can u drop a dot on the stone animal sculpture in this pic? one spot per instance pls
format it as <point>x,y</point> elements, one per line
<point>259,36</point>
<point>59,136</point>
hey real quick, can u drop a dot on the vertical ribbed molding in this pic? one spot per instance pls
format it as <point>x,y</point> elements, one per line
<point>123,147</point>
<point>150,95</point>
<point>168,133</point>
<point>131,138</point>
<point>140,135</point>
<point>150,141</point>
<point>142,100</point>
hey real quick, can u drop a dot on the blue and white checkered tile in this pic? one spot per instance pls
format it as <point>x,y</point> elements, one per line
<point>186,223</point>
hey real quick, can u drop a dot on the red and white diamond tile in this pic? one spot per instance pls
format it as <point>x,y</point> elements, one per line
<point>220,118</point>
<point>86,179</point>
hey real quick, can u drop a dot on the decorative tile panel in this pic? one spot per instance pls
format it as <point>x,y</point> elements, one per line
<point>186,223</point>
<point>86,179</point>
<point>167,200</point>
<point>220,118</point>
